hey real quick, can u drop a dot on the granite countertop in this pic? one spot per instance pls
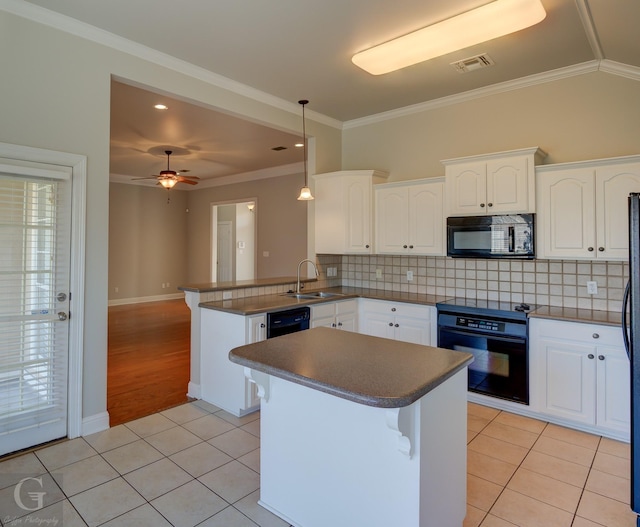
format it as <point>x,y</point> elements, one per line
<point>367,370</point>
<point>210,287</point>
<point>253,305</point>
<point>587,316</point>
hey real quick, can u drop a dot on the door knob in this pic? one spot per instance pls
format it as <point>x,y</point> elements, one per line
<point>62,316</point>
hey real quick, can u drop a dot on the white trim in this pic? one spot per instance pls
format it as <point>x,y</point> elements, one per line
<point>194,391</point>
<point>494,89</point>
<point>623,70</point>
<point>83,30</point>
<point>95,423</point>
<point>144,299</point>
<point>78,164</point>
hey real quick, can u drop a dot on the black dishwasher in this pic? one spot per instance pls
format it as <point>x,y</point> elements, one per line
<point>288,321</point>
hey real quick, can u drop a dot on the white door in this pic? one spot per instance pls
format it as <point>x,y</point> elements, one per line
<point>35,236</point>
<point>225,252</point>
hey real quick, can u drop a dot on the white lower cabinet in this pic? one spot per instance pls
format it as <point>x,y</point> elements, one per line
<point>340,315</point>
<point>397,320</point>
<point>580,375</point>
<point>222,382</point>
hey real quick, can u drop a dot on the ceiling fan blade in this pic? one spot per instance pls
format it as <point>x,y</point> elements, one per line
<point>148,177</point>
<point>187,181</point>
<point>189,177</point>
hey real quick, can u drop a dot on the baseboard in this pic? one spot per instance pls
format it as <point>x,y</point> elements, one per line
<point>143,299</point>
<point>95,423</point>
<point>193,390</point>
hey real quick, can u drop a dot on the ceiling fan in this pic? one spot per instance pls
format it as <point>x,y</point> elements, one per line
<point>170,178</point>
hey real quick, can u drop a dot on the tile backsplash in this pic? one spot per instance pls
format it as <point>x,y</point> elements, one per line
<point>560,283</point>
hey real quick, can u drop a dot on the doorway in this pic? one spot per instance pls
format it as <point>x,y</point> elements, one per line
<point>233,240</point>
<point>40,346</point>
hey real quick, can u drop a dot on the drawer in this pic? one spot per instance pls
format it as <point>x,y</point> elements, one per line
<point>396,309</point>
<point>578,331</point>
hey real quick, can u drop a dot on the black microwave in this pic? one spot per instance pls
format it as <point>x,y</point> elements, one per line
<point>504,236</point>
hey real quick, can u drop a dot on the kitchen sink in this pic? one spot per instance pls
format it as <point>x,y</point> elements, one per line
<point>312,294</point>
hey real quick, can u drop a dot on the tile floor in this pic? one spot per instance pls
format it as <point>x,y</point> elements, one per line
<point>198,465</point>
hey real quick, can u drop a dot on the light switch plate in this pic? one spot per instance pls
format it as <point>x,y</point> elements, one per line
<point>409,276</point>
<point>592,288</point>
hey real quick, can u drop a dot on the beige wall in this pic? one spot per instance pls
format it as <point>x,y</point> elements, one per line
<point>56,95</point>
<point>147,241</point>
<point>587,117</point>
<point>281,224</point>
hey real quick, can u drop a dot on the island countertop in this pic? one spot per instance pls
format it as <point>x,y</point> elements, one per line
<point>368,370</point>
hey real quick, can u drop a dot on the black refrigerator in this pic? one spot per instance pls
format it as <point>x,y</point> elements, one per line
<point>631,334</point>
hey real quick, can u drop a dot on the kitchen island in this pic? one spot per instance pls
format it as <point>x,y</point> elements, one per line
<point>359,430</point>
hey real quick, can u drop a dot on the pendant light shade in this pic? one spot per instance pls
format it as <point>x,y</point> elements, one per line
<point>305,192</point>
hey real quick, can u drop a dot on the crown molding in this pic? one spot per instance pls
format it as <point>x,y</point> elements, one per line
<point>80,29</point>
<point>618,68</point>
<point>524,82</point>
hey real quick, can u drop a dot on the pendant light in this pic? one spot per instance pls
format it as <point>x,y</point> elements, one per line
<point>305,192</point>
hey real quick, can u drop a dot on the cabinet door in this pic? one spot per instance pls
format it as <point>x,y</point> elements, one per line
<point>415,330</point>
<point>426,219</point>
<point>376,325</point>
<point>347,315</point>
<point>566,219</point>
<point>508,186</point>
<point>613,400</point>
<point>357,195</point>
<point>613,185</point>
<point>257,328</point>
<point>392,229</point>
<point>568,375</point>
<point>466,188</point>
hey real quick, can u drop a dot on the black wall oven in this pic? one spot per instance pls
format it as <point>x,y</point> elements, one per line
<point>496,335</point>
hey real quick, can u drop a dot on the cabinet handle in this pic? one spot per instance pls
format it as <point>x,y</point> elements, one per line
<point>263,325</point>
<point>397,325</point>
<point>590,249</point>
<point>390,324</point>
<point>404,246</point>
<point>333,324</point>
<point>595,336</point>
<point>482,205</point>
<point>601,249</point>
<point>393,309</point>
<point>339,324</point>
<point>591,356</point>
<point>367,246</point>
<point>410,246</point>
<point>489,204</point>
<point>600,357</point>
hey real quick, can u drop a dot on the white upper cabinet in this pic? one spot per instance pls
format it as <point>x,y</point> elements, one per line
<point>583,208</point>
<point>344,211</point>
<point>500,183</point>
<point>409,218</point>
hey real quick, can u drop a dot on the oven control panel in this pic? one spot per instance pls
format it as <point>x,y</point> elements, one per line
<point>481,324</point>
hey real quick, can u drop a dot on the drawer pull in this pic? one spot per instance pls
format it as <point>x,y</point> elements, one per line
<point>591,356</point>
<point>393,309</point>
<point>595,336</point>
<point>600,357</point>
<point>590,249</point>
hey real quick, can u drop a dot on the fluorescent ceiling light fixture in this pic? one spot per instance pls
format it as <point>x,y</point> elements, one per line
<point>161,107</point>
<point>493,20</point>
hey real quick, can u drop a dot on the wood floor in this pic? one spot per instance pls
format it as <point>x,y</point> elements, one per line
<point>148,358</point>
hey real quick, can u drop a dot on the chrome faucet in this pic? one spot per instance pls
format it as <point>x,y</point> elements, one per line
<point>299,265</point>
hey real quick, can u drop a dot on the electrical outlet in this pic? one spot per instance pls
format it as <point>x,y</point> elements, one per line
<point>163,285</point>
<point>378,274</point>
<point>409,276</point>
<point>168,284</point>
<point>117,289</point>
<point>592,288</point>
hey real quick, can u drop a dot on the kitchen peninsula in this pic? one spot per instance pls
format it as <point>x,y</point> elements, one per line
<point>360,430</point>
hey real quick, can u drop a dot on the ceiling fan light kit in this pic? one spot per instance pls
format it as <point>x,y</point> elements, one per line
<point>484,23</point>
<point>305,192</point>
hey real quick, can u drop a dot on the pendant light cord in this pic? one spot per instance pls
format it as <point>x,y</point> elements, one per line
<point>303,102</point>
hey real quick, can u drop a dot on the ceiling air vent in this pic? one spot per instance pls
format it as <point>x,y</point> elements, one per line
<point>473,63</point>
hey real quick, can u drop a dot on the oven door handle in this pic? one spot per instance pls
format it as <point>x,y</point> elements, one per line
<point>494,336</point>
<point>512,239</point>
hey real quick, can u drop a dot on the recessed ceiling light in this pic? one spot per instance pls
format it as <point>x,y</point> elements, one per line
<point>492,20</point>
<point>161,107</point>
<point>299,145</point>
